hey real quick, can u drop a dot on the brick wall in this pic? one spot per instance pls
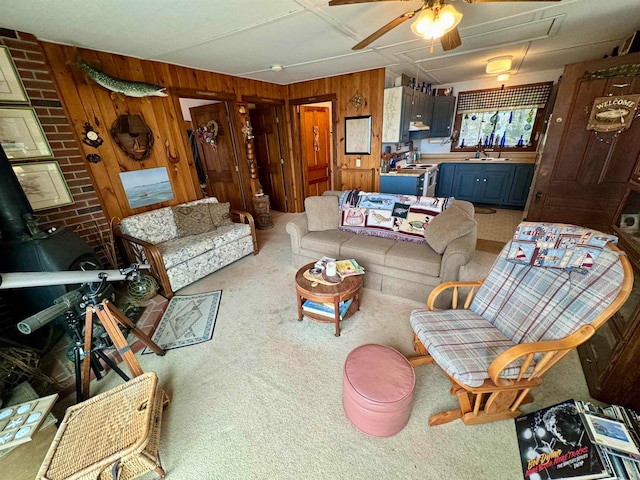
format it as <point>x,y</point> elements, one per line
<point>85,215</point>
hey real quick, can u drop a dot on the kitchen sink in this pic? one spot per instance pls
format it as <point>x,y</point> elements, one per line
<point>487,159</point>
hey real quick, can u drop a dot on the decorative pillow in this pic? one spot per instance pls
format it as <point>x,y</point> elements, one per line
<point>192,219</point>
<point>557,245</point>
<point>323,213</point>
<point>220,214</point>
<point>444,228</point>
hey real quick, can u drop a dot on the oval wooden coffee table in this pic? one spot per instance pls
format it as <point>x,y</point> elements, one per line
<point>349,288</point>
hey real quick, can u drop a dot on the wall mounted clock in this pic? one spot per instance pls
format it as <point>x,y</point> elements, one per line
<point>91,137</point>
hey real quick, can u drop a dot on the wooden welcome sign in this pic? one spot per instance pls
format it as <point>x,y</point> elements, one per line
<point>614,113</point>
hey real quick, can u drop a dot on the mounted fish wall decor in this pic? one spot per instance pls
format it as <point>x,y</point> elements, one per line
<point>119,86</point>
<point>133,136</point>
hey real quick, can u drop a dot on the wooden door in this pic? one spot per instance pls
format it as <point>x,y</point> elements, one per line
<point>269,159</point>
<point>582,175</point>
<point>315,133</point>
<point>220,163</point>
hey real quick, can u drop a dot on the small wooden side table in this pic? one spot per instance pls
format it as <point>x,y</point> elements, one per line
<point>350,287</point>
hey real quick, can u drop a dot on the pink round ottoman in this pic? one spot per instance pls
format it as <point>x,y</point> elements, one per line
<point>378,384</point>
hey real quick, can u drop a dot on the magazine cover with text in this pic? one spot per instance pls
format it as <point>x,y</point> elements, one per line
<point>554,444</point>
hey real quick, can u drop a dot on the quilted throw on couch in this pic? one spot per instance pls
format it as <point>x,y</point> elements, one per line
<point>394,216</point>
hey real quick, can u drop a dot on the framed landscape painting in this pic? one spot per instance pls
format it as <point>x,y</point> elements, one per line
<point>21,135</point>
<point>146,187</point>
<point>11,88</point>
<point>43,184</point>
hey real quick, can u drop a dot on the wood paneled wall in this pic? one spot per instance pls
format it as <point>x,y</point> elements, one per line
<point>370,85</point>
<point>86,101</point>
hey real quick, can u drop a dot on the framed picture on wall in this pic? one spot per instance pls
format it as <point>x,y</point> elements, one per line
<point>21,135</point>
<point>11,88</point>
<point>357,135</point>
<point>146,187</point>
<point>43,184</point>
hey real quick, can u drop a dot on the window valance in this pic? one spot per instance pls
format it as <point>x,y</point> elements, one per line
<point>532,95</point>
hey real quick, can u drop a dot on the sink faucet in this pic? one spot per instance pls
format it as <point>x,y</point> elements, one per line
<point>486,155</point>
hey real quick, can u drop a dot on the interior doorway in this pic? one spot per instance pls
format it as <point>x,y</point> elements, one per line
<point>214,149</point>
<point>314,144</point>
<point>217,153</point>
<point>315,139</point>
<point>269,148</point>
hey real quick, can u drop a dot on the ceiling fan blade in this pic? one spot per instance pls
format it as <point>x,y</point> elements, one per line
<point>333,3</point>
<point>387,28</point>
<point>451,39</point>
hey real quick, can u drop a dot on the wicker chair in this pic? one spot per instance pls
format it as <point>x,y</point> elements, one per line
<point>114,435</point>
<point>515,325</point>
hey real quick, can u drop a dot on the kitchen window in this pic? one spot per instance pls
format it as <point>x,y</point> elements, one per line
<point>501,119</point>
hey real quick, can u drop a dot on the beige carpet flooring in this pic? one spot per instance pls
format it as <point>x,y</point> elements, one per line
<point>263,398</point>
<point>498,226</point>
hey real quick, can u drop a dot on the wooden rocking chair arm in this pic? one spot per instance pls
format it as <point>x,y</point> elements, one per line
<point>558,348</point>
<point>444,286</point>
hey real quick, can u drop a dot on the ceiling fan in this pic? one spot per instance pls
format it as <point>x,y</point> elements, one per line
<point>441,21</point>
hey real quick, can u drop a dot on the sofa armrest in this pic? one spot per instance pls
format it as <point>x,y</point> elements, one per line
<point>140,251</point>
<point>458,253</point>
<point>245,217</point>
<point>297,228</point>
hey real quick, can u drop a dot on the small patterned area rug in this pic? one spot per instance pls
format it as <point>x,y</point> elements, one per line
<point>188,320</point>
<point>484,210</point>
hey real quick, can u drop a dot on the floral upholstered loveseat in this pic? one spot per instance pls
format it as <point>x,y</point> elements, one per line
<point>187,242</point>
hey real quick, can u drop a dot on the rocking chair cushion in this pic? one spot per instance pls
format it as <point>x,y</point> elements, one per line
<point>533,304</point>
<point>462,343</point>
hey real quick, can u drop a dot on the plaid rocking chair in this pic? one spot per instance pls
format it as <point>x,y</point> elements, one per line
<point>549,290</point>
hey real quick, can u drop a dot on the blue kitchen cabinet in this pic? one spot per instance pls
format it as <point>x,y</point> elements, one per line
<point>495,183</point>
<point>522,178</point>
<point>446,174</point>
<point>490,183</point>
<point>466,184</point>
<point>442,116</point>
<point>404,184</point>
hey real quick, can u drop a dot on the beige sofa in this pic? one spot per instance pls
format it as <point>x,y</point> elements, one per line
<point>402,268</point>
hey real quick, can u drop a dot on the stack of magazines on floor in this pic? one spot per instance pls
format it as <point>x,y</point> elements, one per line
<point>578,440</point>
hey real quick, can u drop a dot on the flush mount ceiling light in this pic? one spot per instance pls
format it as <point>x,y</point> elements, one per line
<point>503,77</point>
<point>499,64</point>
<point>434,22</point>
<point>276,68</point>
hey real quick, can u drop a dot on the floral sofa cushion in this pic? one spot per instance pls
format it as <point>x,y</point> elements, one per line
<point>180,249</point>
<point>156,226</point>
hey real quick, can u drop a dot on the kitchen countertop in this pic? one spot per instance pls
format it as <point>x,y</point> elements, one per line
<point>514,157</point>
<point>394,173</point>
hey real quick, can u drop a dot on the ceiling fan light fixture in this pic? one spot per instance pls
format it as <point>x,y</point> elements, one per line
<point>499,64</point>
<point>433,23</point>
